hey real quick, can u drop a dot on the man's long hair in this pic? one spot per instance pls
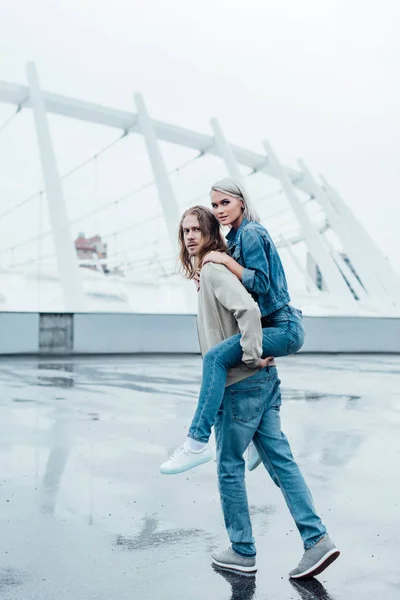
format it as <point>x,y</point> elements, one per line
<point>212,239</point>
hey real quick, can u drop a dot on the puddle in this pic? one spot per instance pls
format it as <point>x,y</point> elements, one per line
<point>310,396</point>
<point>150,538</point>
<point>10,577</point>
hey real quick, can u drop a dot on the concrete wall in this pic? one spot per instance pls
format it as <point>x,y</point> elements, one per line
<point>19,333</point>
<point>352,334</point>
<point>116,333</point>
<point>132,333</point>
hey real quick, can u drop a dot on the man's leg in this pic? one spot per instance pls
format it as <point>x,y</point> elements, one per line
<point>277,457</point>
<point>274,449</point>
<point>236,423</point>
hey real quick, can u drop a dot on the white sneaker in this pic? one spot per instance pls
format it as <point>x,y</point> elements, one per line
<point>182,460</point>
<point>253,458</point>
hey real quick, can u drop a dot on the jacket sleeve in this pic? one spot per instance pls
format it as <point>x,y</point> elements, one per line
<point>255,276</point>
<point>235,298</point>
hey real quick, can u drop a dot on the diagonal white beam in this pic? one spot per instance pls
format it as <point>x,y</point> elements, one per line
<point>225,150</point>
<point>169,204</point>
<point>310,283</point>
<point>390,280</point>
<point>166,194</point>
<point>347,272</point>
<point>71,282</point>
<point>350,243</point>
<point>333,278</point>
<point>90,112</point>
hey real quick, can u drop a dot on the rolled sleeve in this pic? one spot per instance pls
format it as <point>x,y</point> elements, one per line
<point>248,277</point>
<point>250,361</point>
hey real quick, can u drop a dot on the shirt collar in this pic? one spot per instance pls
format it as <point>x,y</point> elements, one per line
<point>232,234</point>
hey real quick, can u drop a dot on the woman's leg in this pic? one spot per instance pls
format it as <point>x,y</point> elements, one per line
<point>217,362</point>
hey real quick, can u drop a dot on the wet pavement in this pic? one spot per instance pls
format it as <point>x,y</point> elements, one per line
<point>85,513</point>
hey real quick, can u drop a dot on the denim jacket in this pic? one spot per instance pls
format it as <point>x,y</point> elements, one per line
<point>263,276</point>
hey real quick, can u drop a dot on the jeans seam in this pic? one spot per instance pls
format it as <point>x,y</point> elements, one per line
<point>211,382</point>
<point>242,553</point>
<point>307,546</point>
<point>280,482</point>
<point>312,544</point>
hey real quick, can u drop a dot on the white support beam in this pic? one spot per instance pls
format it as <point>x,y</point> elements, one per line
<point>169,204</point>
<point>71,282</point>
<point>332,276</point>
<point>350,244</point>
<point>90,112</point>
<point>310,283</point>
<point>347,272</point>
<point>128,121</point>
<point>390,280</point>
<point>225,150</point>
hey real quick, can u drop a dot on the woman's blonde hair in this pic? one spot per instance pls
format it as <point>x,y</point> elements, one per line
<point>212,239</point>
<point>234,187</point>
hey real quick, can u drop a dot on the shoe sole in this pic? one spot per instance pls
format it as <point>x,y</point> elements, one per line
<point>200,461</point>
<point>235,568</point>
<point>219,569</point>
<point>321,565</point>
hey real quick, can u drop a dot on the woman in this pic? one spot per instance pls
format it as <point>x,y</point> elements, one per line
<point>254,260</point>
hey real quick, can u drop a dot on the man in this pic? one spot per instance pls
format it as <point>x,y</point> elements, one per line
<point>250,408</point>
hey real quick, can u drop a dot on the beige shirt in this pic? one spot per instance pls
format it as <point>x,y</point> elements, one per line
<point>227,308</point>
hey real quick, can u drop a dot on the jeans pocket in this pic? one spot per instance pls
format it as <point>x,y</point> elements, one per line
<point>295,337</point>
<point>247,403</point>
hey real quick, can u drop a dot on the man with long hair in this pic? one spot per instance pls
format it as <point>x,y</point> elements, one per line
<point>250,407</point>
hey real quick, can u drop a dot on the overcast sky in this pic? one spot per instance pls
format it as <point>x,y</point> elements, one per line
<point>319,80</point>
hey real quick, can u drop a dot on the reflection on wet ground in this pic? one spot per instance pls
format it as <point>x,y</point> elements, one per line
<point>148,537</point>
<point>243,586</point>
<point>10,577</point>
<point>310,589</point>
<point>309,396</point>
<point>85,512</point>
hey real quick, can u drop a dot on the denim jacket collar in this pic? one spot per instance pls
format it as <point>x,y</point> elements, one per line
<point>232,235</point>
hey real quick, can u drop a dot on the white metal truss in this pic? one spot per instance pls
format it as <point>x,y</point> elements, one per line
<point>71,282</point>
<point>380,282</point>
<point>321,255</point>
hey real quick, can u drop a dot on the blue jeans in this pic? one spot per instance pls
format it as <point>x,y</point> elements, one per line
<point>251,410</point>
<point>283,335</point>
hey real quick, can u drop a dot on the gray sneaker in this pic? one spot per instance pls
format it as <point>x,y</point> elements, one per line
<point>316,559</point>
<point>229,559</point>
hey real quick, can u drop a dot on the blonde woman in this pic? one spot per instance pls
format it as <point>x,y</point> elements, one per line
<point>250,255</point>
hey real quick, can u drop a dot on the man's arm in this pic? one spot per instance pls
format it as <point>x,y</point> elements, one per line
<point>235,298</point>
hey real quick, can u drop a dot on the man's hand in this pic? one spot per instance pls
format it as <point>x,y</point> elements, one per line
<point>266,362</point>
<point>215,257</point>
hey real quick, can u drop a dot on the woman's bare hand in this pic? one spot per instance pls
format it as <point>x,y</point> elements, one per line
<point>215,257</point>
<point>266,362</point>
